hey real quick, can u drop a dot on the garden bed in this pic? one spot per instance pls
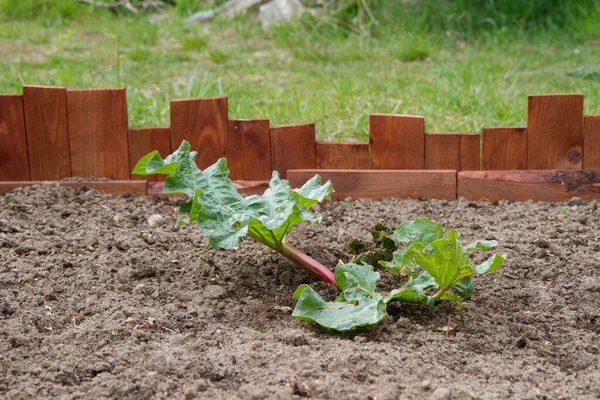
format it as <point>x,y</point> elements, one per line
<point>96,304</point>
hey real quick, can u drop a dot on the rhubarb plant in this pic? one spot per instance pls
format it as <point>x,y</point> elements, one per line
<point>433,266</point>
<point>226,216</point>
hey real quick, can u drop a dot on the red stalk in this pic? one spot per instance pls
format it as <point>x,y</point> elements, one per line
<point>307,263</point>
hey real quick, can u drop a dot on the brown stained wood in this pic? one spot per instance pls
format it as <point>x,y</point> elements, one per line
<point>145,140</point>
<point>245,188</point>
<point>591,142</point>
<point>539,185</point>
<point>555,131</point>
<point>504,148</point>
<point>249,149</point>
<point>397,141</point>
<point>342,155</point>
<point>136,188</point>
<point>47,132</point>
<point>442,151</point>
<point>203,123</point>
<point>14,162</point>
<point>381,184</point>
<point>452,150</point>
<point>97,122</point>
<point>292,147</point>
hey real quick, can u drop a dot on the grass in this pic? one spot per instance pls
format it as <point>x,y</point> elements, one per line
<point>294,74</point>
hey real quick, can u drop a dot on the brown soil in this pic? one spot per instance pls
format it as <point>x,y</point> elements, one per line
<point>96,304</point>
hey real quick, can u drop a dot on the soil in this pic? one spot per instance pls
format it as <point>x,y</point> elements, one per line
<point>94,303</point>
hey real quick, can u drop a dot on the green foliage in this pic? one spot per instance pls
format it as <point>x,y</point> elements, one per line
<point>358,304</point>
<point>225,216</point>
<point>436,268</point>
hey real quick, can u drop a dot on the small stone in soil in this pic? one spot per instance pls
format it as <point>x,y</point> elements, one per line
<point>542,243</point>
<point>214,292</point>
<point>426,385</point>
<point>156,220</point>
<point>441,393</point>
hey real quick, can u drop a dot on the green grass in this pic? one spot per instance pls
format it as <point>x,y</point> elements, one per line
<point>332,75</point>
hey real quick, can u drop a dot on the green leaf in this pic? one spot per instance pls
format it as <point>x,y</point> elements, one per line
<point>341,316</point>
<point>465,288</point>
<point>358,304</point>
<point>445,260</point>
<point>153,164</point>
<point>420,230</point>
<point>481,245</point>
<point>453,297</point>
<point>491,264</point>
<point>356,276</point>
<point>221,212</point>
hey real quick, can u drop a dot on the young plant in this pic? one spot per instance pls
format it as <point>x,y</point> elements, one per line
<point>225,216</point>
<point>436,268</point>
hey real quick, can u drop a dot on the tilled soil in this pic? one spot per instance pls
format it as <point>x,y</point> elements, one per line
<point>94,303</point>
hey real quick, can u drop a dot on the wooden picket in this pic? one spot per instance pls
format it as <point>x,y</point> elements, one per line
<point>51,133</point>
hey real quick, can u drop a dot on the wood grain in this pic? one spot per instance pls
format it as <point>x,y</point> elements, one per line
<point>591,142</point>
<point>555,131</point>
<point>47,132</point>
<point>145,140</point>
<point>342,155</point>
<point>97,121</point>
<point>292,147</point>
<point>249,149</point>
<point>381,184</point>
<point>470,151</point>
<point>397,141</point>
<point>539,185</point>
<point>14,162</point>
<point>203,123</point>
<point>504,148</point>
<point>452,150</point>
<point>136,188</point>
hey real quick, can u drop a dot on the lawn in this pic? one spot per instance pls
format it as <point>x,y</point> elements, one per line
<point>291,75</point>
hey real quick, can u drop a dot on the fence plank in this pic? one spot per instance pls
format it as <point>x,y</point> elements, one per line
<point>470,151</point>
<point>540,185</point>
<point>249,149</point>
<point>97,121</point>
<point>555,131</point>
<point>504,148</point>
<point>452,150</point>
<point>342,155</point>
<point>381,184</point>
<point>397,141</point>
<point>591,142</point>
<point>143,141</point>
<point>203,123</point>
<point>292,147</point>
<point>14,162</point>
<point>442,151</point>
<point>47,132</point>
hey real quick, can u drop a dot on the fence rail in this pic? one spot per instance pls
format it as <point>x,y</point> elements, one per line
<point>51,133</point>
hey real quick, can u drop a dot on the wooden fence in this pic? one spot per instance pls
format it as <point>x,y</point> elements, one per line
<point>51,133</point>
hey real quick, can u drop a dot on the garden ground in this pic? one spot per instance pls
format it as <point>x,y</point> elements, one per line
<point>96,304</point>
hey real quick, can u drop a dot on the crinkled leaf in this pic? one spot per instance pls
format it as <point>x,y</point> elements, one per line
<point>445,260</point>
<point>221,212</point>
<point>341,316</point>
<point>481,245</point>
<point>491,264</point>
<point>420,230</point>
<point>465,288</point>
<point>352,275</point>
